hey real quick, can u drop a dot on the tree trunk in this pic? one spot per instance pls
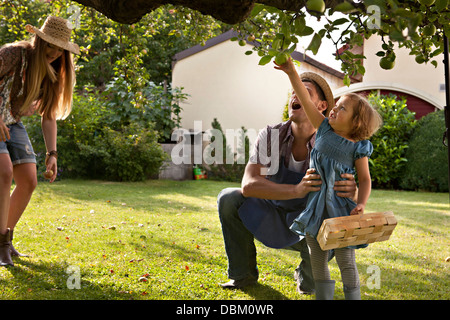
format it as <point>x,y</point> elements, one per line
<point>131,11</point>
<point>228,11</point>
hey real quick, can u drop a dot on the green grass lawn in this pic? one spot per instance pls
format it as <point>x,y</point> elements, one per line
<point>162,240</point>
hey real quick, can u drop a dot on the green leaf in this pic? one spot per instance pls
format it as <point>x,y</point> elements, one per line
<point>272,52</point>
<point>299,24</point>
<point>340,21</point>
<point>307,31</point>
<point>347,80</point>
<point>285,27</point>
<point>273,10</point>
<point>277,43</point>
<point>315,44</point>
<point>256,9</point>
<point>396,35</point>
<point>291,49</point>
<point>361,70</point>
<point>440,5</point>
<point>344,7</point>
<point>436,52</point>
<point>265,60</point>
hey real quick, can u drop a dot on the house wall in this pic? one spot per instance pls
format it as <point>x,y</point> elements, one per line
<point>423,80</point>
<point>226,84</point>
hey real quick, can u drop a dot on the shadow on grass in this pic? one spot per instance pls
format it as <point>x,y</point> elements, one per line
<point>261,291</point>
<point>38,280</point>
<point>405,283</point>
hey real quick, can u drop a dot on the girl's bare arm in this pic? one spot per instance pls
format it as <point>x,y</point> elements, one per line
<point>314,115</point>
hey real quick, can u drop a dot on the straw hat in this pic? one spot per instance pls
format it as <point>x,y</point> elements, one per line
<point>322,83</point>
<point>55,31</point>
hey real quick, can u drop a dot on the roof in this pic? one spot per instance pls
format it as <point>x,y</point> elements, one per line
<point>302,57</point>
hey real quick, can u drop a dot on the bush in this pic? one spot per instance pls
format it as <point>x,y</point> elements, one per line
<point>427,166</point>
<point>148,104</point>
<point>89,148</point>
<point>391,141</point>
<point>229,171</point>
<point>132,154</point>
<point>135,95</point>
<point>285,115</point>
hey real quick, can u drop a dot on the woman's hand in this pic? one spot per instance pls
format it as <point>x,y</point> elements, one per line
<point>49,130</point>
<point>51,164</point>
<point>4,131</point>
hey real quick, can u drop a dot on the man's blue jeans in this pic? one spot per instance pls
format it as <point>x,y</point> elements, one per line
<point>240,246</point>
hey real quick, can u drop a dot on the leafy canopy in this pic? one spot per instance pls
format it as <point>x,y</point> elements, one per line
<point>419,26</point>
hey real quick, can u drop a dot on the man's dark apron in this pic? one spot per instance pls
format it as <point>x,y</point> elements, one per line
<point>269,220</point>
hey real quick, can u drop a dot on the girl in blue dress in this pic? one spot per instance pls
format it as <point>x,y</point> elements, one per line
<point>341,146</point>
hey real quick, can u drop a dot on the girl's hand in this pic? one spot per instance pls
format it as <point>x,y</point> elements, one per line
<point>4,131</point>
<point>287,67</point>
<point>359,209</point>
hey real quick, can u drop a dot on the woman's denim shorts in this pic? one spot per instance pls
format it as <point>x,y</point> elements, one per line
<point>18,146</point>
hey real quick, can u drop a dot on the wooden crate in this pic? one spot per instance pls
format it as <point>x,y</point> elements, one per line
<point>355,230</point>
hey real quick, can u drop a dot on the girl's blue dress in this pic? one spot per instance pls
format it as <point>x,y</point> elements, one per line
<point>331,156</point>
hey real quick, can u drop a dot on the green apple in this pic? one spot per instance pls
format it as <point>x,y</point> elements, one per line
<point>427,2</point>
<point>387,63</point>
<point>315,6</point>
<point>281,58</point>
<point>429,30</point>
<point>420,59</point>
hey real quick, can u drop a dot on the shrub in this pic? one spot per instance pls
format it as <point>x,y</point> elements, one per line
<point>391,141</point>
<point>427,166</point>
<point>146,104</point>
<point>132,154</point>
<point>89,148</point>
<point>285,115</point>
<point>229,171</point>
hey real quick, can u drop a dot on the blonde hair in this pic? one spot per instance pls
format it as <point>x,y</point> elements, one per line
<point>366,120</point>
<point>56,80</point>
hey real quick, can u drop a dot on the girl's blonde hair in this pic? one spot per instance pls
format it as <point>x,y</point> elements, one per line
<point>366,120</point>
<point>51,84</point>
